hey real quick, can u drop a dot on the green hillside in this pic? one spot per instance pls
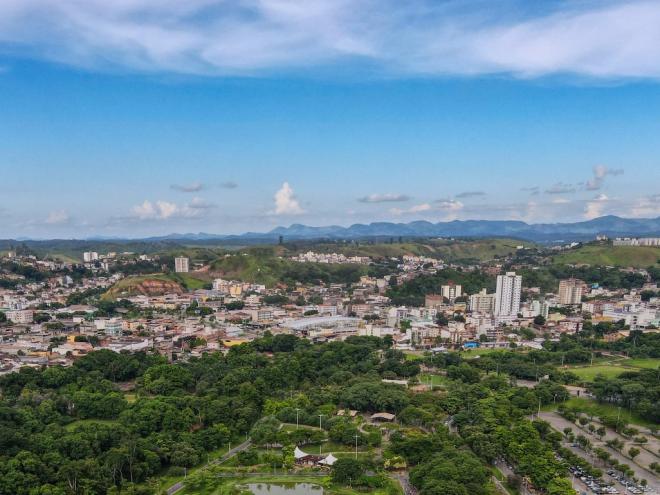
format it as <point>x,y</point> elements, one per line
<point>449,250</point>
<point>263,267</point>
<point>154,284</point>
<point>607,255</point>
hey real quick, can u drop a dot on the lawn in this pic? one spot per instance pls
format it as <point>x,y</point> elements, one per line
<point>649,363</point>
<point>472,353</point>
<point>435,379</point>
<point>615,368</point>
<point>413,355</point>
<point>593,408</point>
<point>588,373</point>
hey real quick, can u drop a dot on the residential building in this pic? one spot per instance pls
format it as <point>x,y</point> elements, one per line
<point>451,291</point>
<point>89,256</point>
<point>482,302</point>
<point>507,294</point>
<point>570,291</point>
<point>20,316</point>
<point>181,264</point>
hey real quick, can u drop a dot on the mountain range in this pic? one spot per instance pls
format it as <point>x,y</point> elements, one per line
<point>542,232</point>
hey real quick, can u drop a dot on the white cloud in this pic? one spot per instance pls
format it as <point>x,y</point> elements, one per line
<point>57,217</point>
<point>446,205</point>
<point>384,198</point>
<point>449,204</point>
<point>286,202</point>
<point>600,172</point>
<point>613,39</point>
<point>200,204</point>
<point>595,207</point>
<point>162,210</point>
<point>648,206</point>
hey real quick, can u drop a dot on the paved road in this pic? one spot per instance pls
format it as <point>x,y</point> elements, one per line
<point>178,486</point>
<point>404,481</point>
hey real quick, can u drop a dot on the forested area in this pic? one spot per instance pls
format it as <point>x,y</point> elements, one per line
<point>69,430</point>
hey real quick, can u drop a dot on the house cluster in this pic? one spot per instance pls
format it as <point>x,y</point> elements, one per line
<point>48,320</point>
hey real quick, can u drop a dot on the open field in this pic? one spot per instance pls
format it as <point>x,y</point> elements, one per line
<point>436,380</point>
<point>596,409</point>
<point>472,353</point>
<point>611,368</point>
<point>650,363</point>
<point>606,255</point>
<point>588,373</point>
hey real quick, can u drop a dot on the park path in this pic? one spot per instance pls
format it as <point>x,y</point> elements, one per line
<point>179,485</point>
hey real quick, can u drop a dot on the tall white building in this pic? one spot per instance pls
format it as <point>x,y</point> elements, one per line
<point>451,291</point>
<point>89,256</point>
<point>507,295</point>
<point>181,265</point>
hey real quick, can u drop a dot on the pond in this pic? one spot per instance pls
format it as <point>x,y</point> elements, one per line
<point>284,489</point>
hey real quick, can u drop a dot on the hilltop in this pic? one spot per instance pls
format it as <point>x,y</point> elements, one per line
<point>608,255</point>
<point>153,285</point>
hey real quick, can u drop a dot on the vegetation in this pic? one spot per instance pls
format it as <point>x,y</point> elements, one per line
<point>608,255</point>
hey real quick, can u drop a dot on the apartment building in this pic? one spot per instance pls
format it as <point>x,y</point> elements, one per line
<point>507,294</point>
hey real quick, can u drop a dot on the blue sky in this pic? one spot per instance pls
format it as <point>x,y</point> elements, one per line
<point>144,118</point>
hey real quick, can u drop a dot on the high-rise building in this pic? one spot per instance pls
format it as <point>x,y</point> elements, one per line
<point>507,295</point>
<point>570,291</point>
<point>482,302</point>
<point>89,256</point>
<point>181,265</point>
<point>451,291</point>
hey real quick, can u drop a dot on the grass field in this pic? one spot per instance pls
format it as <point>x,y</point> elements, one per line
<point>588,373</point>
<point>472,353</point>
<point>650,363</point>
<point>611,368</point>
<point>606,255</point>
<point>434,379</point>
<point>596,409</point>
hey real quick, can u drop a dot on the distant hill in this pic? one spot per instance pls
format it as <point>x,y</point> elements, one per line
<point>543,232</point>
<point>612,226</point>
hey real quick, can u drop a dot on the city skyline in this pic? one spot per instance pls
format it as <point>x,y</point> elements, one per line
<point>144,120</point>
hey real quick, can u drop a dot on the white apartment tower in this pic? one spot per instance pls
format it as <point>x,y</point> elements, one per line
<point>89,256</point>
<point>451,291</point>
<point>507,295</point>
<point>181,265</point>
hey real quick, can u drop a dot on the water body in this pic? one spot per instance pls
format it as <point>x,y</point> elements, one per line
<point>284,489</point>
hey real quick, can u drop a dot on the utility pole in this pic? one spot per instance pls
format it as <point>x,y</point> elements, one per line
<point>356,439</point>
<point>538,415</point>
<point>320,428</point>
<point>297,411</point>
